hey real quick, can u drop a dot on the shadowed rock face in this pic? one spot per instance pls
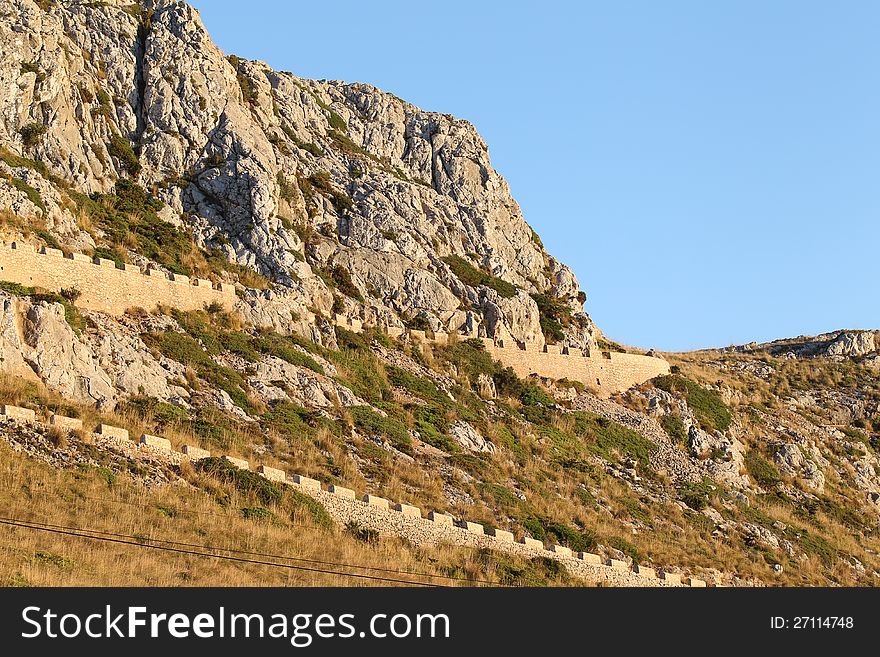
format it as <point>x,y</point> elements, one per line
<point>285,175</point>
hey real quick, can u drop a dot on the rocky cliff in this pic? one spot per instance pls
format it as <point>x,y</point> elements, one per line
<point>339,196</point>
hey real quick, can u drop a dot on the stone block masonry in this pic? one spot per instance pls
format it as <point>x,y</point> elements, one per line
<point>379,502</point>
<point>408,510</point>
<point>155,441</point>
<point>346,493</point>
<point>402,520</point>
<point>644,571</point>
<point>501,535</point>
<point>69,423</point>
<point>440,519</point>
<point>606,373</point>
<point>195,453</point>
<point>103,286</point>
<point>238,463</point>
<point>112,432</point>
<point>272,474</point>
<point>18,413</point>
<point>672,578</point>
<point>306,482</point>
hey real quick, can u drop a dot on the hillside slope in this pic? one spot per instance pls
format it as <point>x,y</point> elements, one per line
<point>127,135</point>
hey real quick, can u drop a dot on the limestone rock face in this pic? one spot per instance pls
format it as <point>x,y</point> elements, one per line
<point>469,438</point>
<point>853,343</point>
<point>791,462</point>
<point>291,177</point>
<point>59,358</point>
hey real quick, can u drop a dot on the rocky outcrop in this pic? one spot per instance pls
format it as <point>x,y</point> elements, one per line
<point>61,360</point>
<point>284,175</point>
<point>837,345</point>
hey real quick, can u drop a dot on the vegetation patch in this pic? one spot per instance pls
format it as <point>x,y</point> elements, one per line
<point>120,148</point>
<point>244,481</point>
<point>711,412</point>
<point>613,441</point>
<point>363,534</point>
<point>674,427</point>
<point>554,316</point>
<point>761,470</point>
<point>697,494</point>
<point>371,423</point>
<point>470,275</point>
<point>32,133</point>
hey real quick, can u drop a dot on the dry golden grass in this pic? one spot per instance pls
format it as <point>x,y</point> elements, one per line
<point>36,492</point>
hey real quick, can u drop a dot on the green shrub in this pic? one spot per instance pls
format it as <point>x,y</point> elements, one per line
<point>761,470</point>
<point>321,182</point>
<point>131,214</point>
<point>674,427</point>
<point>120,148</point>
<point>283,347</point>
<point>16,289</point>
<point>188,351</point>
<point>337,122</point>
<point>33,67</point>
<point>31,133</point>
<point>161,413</point>
<point>309,147</point>
<point>373,424</point>
<point>244,481</point>
<point>215,161</point>
<point>309,507</point>
<point>696,494</point>
<point>418,385</point>
<point>626,547</point>
<point>470,275</point>
<point>605,344</point>
<point>710,411</point>
<point>341,280</point>
<point>433,428</point>
<point>260,514</point>
<point>605,437</point>
<point>32,194</point>
<point>553,317</point>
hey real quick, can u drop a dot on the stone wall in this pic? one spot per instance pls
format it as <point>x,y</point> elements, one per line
<point>605,372</point>
<point>403,520</point>
<point>103,285</point>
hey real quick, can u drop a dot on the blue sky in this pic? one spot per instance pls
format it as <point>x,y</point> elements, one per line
<point>709,170</point>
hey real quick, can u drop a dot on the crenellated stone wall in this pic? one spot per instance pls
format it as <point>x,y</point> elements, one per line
<point>399,519</point>
<point>104,286</point>
<point>605,372</point>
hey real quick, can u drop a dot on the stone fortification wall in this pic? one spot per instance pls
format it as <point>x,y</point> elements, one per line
<point>103,285</point>
<point>605,372</point>
<point>398,519</point>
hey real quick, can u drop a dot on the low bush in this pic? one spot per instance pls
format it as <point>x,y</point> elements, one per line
<point>470,275</point>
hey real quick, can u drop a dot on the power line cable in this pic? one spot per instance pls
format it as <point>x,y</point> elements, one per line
<point>267,555</point>
<point>76,532</point>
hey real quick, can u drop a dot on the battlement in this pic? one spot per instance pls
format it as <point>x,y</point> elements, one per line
<point>103,285</point>
<point>112,289</point>
<point>605,372</point>
<point>369,510</point>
